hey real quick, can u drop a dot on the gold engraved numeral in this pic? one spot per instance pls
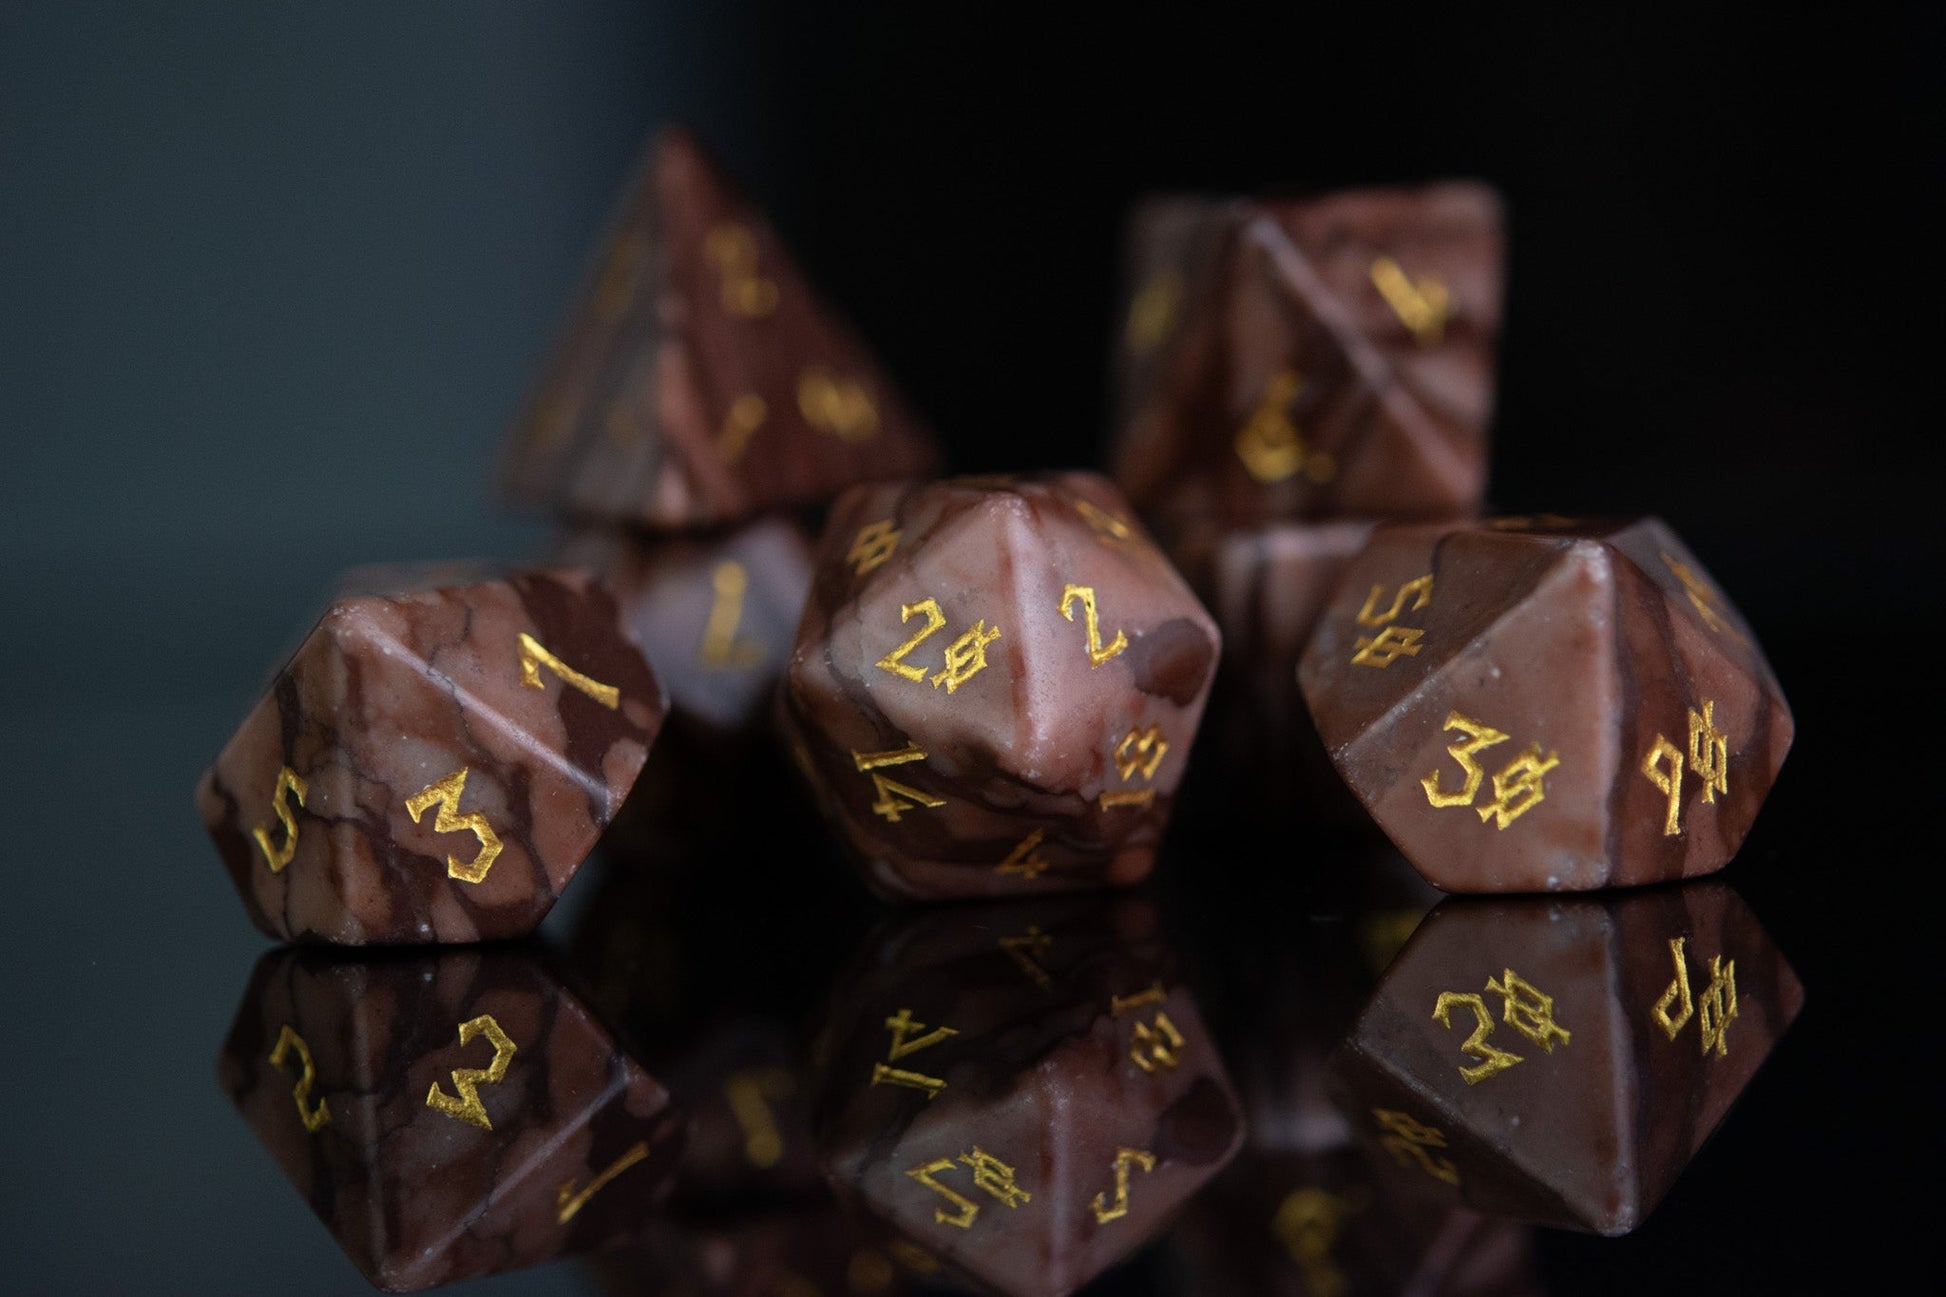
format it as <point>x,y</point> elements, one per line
<point>1023,948</point>
<point>1423,306</point>
<point>1702,597</point>
<point>1677,995</point>
<point>1124,1159</point>
<point>904,1042</point>
<point>1152,312</point>
<point>467,1080</point>
<point>894,798</point>
<point>1026,858</point>
<point>873,545</point>
<point>533,657</point>
<point>839,406</point>
<point>895,660</point>
<point>1388,646</point>
<point>750,1094</point>
<point>446,794</point>
<point>1709,758</point>
<point>1369,615</point>
<point>568,1202</point>
<point>1154,1045</point>
<point>740,423</point>
<point>1392,642</point>
<point>1120,1004</point>
<point>732,250</point>
<point>289,1042</point>
<point>1407,1141</point>
<point>720,651</point>
<point>288,780</point>
<point>1098,653</point>
<point>1126,797</point>
<point>1111,531</point>
<point>1308,1223</point>
<point>1663,766</point>
<point>1269,444</point>
<point>1480,738</point>
<point>1140,750</point>
<point>1493,1060</point>
<point>990,1175</point>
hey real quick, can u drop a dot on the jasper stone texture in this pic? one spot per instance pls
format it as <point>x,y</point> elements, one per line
<point>996,684</point>
<point>1544,704</point>
<point>1331,357</point>
<point>814,1250</point>
<point>436,759</point>
<point>1025,1092</point>
<point>1561,1060</point>
<point>700,379</point>
<point>447,1115</point>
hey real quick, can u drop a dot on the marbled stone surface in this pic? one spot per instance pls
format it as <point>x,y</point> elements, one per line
<point>700,379</point>
<point>996,685</point>
<point>1546,704</point>
<point>807,1251</point>
<point>1026,1092</point>
<point>450,1114</point>
<point>1310,359</point>
<point>1561,1060</point>
<point>714,612</point>
<point>418,772</point>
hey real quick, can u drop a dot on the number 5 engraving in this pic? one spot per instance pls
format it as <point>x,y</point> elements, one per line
<point>467,1080</point>
<point>288,1042</point>
<point>278,857</point>
<point>446,794</point>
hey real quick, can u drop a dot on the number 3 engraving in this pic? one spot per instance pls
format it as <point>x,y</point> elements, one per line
<point>467,1080</point>
<point>446,794</point>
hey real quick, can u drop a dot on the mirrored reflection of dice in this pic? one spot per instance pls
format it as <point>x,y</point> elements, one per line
<point>715,613</point>
<point>436,759</point>
<point>811,1249</point>
<point>1559,1060</point>
<point>1307,359</point>
<point>1026,1092</point>
<point>1542,704</point>
<point>700,380</point>
<point>996,684</point>
<point>447,1115</point>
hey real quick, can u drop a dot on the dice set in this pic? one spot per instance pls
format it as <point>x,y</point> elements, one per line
<point>991,687</point>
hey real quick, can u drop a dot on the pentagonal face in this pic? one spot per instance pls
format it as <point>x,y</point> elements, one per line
<point>1345,373</point>
<point>447,1115</point>
<point>1419,273</point>
<point>724,388</point>
<point>1024,1092</point>
<point>714,614</point>
<point>434,765</point>
<point>995,685</point>
<point>1579,1051</point>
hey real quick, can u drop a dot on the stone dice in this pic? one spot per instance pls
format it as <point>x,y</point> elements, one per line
<point>1026,1092</point>
<point>1541,704</point>
<point>1561,1060</point>
<point>1330,357</point>
<point>450,1114</point>
<point>995,685</point>
<point>700,380</point>
<point>436,759</point>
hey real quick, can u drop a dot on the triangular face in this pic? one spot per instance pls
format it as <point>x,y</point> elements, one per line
<point>702,380</point>
<point>1492,770</point>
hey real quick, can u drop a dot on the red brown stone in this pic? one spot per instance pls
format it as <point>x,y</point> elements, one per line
<point>1310,359</point>
<point>996,685</point>
<point>700,379</point>
<point>436,759</point>
<point>1546,705</point>
<point>1561,1060</point>
<point>1026,1092</point>
<point>447,1115</point>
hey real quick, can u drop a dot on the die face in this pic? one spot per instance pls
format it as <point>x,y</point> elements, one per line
<point>1493,694</point>
<point>1561,1060</point>
<point>447,1115</point>
<point>434,764</point>
<point>1026,1092</point>
<point>1343,364</point>
<point>702,381</point>
<point>995,685</point>
<point>714,614</point>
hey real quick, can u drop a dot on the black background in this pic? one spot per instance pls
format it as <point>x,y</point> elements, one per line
<point>273,280</point>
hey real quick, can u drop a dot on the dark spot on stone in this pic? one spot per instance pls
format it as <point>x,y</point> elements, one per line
<point>1172,661</point>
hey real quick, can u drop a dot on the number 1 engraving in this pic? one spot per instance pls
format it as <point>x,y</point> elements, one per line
<point>533,657</point>
<point>568,1203</point>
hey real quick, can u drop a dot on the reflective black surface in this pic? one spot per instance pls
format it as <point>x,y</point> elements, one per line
<point>273,286</point>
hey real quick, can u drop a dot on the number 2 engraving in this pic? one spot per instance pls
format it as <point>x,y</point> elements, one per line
<point>1098,653</point>
<point>467,1080</point>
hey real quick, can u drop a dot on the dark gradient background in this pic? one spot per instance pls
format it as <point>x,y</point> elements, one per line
<point>273,280</point>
